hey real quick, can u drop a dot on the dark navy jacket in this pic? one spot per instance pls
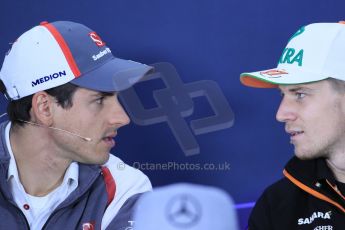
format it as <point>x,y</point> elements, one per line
<point>308,198</point>
<point>86,205</point>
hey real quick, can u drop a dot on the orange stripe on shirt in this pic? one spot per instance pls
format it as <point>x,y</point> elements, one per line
<point>311,191</point>
<point>335,189</point>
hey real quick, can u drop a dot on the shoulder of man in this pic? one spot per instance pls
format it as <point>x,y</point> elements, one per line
<point>130,184</point>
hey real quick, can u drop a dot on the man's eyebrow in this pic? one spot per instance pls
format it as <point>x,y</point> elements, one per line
<point>103,94</point>
<point>303,88</point>
<point>297,88</point>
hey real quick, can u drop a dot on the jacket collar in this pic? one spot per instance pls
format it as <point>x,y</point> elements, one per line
<point>87,173</point>
<point>310,171</point>
<point>4,154</point>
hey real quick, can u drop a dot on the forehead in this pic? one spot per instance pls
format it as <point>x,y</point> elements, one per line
<point>308,87</point>
<point>90,93</point>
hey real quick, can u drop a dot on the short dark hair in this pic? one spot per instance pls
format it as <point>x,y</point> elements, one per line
<point>20,109</point>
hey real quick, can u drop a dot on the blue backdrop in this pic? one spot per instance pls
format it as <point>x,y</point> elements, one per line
<point>205,40</point>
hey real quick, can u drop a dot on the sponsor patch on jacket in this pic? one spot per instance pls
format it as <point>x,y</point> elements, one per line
<point>89,226</point>
<point>324,227</point>
<point>314,216</point>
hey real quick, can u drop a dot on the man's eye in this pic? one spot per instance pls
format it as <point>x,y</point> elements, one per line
<point>100,100</point>
<point>300,95</point>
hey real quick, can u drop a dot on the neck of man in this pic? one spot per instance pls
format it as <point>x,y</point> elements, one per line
<point>40,170</point>
<point>337,164</point>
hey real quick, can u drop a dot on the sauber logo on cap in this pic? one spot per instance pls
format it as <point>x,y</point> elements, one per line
<point>98,41</point>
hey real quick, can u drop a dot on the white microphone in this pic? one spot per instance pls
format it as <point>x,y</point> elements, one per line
<point>58,129</point>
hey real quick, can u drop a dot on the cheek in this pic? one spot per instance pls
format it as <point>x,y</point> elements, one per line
<point>81,118</point>
<point>328,123</point>
<point>71,120</point>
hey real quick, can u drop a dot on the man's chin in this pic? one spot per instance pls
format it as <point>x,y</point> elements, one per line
<point>101,160</point>
<point>307,155</point>
<point>304,158</point>
<point>105,159</point>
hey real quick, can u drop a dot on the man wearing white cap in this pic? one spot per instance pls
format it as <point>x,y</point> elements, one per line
<point>185,206</point>
<point>61,81</point>
<point>311,78</point>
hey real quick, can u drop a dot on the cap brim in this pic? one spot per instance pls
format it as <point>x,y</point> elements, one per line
<point>114,76</point>
<point>271,78</point>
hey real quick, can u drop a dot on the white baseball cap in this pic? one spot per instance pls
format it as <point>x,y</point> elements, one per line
<point>185,206</point>
<point>315,52</point>
<point>52,54</point>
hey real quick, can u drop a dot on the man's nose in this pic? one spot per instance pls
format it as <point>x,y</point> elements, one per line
<point>118,115</point>
<point>286,111</point>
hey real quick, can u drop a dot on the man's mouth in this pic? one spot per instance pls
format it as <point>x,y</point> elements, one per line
<point>295,133</point>
<point>109,140</point>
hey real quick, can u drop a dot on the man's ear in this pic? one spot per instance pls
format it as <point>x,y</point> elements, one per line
<point>42,108</point>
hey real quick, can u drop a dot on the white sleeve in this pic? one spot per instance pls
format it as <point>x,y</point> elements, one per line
<point>129,181</point>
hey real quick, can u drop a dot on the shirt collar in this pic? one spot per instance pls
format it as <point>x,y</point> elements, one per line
<point>324,172</point>
<point>310,171</point>
<point>12,169</point>
<point>71,175</point>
